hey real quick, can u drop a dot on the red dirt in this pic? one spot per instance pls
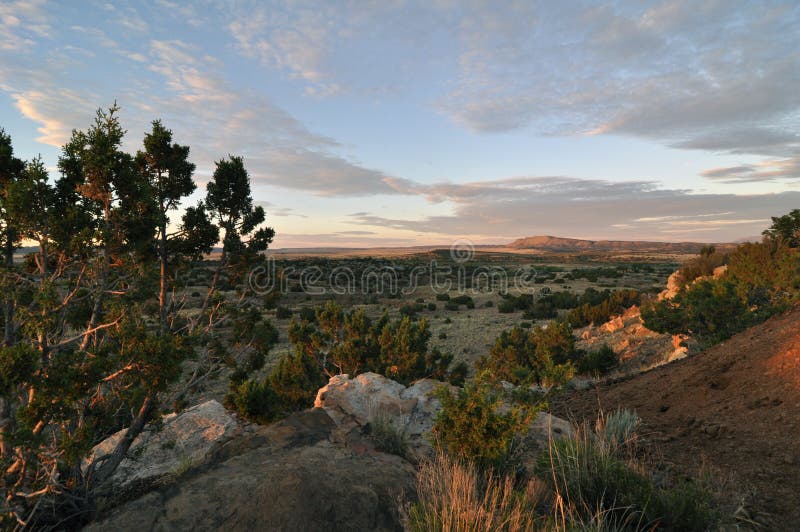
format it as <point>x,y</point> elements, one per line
<point>735,407</point>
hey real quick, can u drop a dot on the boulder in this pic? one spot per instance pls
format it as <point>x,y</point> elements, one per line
<point>290,477</point>
<point>169,448</point>
<point>673,286</point>
<point>354,403</point>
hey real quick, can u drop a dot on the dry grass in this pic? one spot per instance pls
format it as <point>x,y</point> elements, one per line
<point>455,497</point>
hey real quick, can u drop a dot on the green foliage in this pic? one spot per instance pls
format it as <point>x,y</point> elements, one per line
<point>295,381</point>
<point>544,355</point>
<point>443,297</point>
<point>702,265</point>
<point>254,400</point>
<point>786,229</point>
<point>229,201</point>
<point>761,279</point>
<point>601,306</point>
<point>17,365</point>
<point>710,311</point>
<point>599,361</point>
<point>470,425</point>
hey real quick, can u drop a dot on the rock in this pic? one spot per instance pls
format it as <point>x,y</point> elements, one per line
<point>614,324</point>
<point>673,286</point>
<point>295,479</point>
<point>169,448</point>
<point>544,429</point>
<point>353,403</point>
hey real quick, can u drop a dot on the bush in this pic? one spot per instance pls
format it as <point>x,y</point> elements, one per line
<point>443,297</point>
<point>254,401</point>
<point>702,265</point>
<point>541,356</point>
<point>506,306</point>
<point>470,426</point>
<point>599,361</point>
<point>599,307</point>
<point>308,314</point>
<point>283,313</point>
<point>451,306</point>
<point>442,335</point>
<point>489,304</point>
<point>431,306</point>
<point>711,311</point>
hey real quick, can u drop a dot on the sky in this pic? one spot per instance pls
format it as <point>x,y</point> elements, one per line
<point>397,123</point>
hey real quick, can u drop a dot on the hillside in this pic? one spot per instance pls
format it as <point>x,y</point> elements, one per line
<point>562,245</point>
<point>733,407</point>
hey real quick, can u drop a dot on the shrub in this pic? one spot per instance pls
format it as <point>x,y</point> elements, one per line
<point>411,310</point>
<point>296,380</point>
<point>471,427</point>
<point>702,265</point>
<point>255,401</point>
<point>543,355</point>
<point>711,311</point>
<point>451,306</point>
<point>283,313</point>
<point>308,314</point>
<point>506,307</point>
<point>489,304</point>
<point>431,306</point>
<point>442,335</point>
<point>599,307</point>
<point>599,361</point>
<point>443,297</point>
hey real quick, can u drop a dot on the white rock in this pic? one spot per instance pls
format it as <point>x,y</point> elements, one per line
<point>358,401</point>
<point>180,442</point>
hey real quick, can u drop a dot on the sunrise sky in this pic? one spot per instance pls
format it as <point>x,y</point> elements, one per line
<point>409,123</point>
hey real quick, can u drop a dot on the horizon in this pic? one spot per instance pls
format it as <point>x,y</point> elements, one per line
<point>402,125</point>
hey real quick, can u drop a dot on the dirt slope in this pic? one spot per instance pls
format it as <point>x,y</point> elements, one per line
<point>735,407</point>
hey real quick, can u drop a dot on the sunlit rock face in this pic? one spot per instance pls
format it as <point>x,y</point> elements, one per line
<point>354,403</point>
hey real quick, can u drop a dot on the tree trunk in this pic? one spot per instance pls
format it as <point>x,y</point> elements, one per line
<point>162,292</point>
<point>110,464</point>
<point>97,309</point>
<point>9,333</point>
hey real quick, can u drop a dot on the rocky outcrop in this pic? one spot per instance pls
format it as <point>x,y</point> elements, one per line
<point>169,448</point>
<point>286,476</point>
<point>637,347</point>
<point>354,403</point>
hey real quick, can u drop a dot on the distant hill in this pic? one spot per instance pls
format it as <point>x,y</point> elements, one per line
<point>558,244</point>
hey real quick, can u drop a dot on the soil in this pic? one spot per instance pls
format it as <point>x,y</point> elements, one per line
<point>733,409</point>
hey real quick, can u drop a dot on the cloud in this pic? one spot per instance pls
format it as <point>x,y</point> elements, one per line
<point>718,76</point>
<point>767,170</point>
<point>591,209</point>
<point>277,148</point>
<point>21,23</point>
<point>48,109</point>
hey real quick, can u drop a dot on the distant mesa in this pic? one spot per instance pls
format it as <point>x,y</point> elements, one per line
<point>558,244</point>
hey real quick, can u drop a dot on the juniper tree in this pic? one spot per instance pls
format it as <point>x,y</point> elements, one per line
<point>166,167</point>
<point>230,204</point>
<point>11,169</point>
